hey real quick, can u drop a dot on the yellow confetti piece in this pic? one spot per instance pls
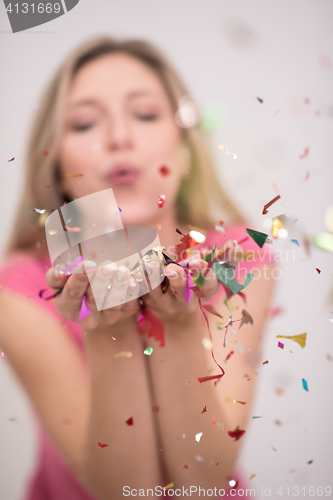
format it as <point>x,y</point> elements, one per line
<point>252,476</point>
<point>300,339</point>
<point>52,232</point>
<point>227,399</point>
<point>171,485</point>
<point>63,324</point>
<point>273,448</point>
<point>74,175</point>
<point>123,354</point>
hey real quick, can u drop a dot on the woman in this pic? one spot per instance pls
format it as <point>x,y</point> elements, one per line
<point>112,424</point>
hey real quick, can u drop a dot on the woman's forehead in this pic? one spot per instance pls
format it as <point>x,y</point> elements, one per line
<point>120,74</point>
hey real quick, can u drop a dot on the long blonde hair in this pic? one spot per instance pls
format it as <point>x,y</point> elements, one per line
<point>200,196</point>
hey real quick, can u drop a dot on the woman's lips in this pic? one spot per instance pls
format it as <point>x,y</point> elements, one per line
<point>122,174</point>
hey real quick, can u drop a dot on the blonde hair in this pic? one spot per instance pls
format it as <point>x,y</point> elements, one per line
<point>200,195</point>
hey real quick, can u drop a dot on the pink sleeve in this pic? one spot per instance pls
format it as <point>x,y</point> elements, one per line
<point>25,275</point>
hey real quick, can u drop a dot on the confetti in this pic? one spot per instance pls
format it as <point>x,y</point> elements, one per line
<point>164,171</point>
<point>305,154</point>
<point>161,201</point>
<point>295,241</point>
<point>237,433</point>
<point>226,277</point>
<point>47,187</point>
<point>280,345</point>
<point>102,445</point>
<point>300,339</point>
<point>229,356</point>
<point>305,385</point>
<point>310,462</point>
<point>198,437</point>
<point>214,421</point>
<point>252,476</point>
<point>74,175</point>
<point>260,100</point>
<point>46,153</point>
<point>256,417</point>
<point>212,310</point>
<point>72,229</point>
<point>275,311</point>
<point>226,151</point>
<point>270,203</point>
<point>247,318</point>
<point>123,354</point>
<point>241,402</point>
<point>265,362</point>
<point>204,410</point>
<point>130,421</point>
<point>3,355</point>
<point>257,236</point>
<point>171,485</point>
<point>120,210</point>
<point>232,483</point>
<point>273,448</point>
<point>148,351</point>
<point>39,210</point>
<point>318,270</point>
<point>12,159</point>
<point>156,408</point>
<point>185,467</point>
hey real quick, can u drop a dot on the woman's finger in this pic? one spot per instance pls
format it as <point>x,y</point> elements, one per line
<point>55,280</point>
<point>99,285</point>
<point>116,293</point>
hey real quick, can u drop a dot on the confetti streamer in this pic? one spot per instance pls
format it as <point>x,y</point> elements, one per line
<point>226,151</point>
<point>130,421</point>
<point>300,339</point>
<point>269,204</point>
<point>161,201</point>
<point>305,385</point>
<point>257,236</point>
<point>237,433</point>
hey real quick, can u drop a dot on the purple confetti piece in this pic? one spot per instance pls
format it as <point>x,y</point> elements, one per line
<point>74,265</point>
<point>280,345</point>
<point>85,309</point>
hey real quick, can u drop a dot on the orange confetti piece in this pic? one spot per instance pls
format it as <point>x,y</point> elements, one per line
<point>214,421</point>
<point>265,362</point>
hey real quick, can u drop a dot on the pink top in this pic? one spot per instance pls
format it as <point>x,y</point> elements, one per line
<point>20,273</point>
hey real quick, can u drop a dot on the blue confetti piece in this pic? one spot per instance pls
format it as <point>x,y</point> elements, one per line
<point>305,384</point>
<point>295,241</point>
<point>119,209</point>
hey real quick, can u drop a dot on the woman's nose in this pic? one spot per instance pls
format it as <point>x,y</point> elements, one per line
<point>119,135</point>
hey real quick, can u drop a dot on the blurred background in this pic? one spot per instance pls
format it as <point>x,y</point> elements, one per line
<point>262,75</point>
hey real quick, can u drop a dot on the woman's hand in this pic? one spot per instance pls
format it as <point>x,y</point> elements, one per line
<point>111,284</point>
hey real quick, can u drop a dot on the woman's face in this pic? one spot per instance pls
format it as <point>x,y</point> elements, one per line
<point>119,132</point>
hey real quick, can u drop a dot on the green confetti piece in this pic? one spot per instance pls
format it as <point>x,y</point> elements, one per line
<point>310,462</point>
<point>226,276</point>
<point>75,197</point>
<point>199,281</point>
<point>256,417</point>
<point>148,351</point>
<point>210,256</point>
<point>258,237</point>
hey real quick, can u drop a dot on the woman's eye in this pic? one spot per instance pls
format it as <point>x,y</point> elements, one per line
<point>81,128</point>
<point>147,118</point>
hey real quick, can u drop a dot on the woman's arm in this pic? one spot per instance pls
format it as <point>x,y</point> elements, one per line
<point>175,370</point>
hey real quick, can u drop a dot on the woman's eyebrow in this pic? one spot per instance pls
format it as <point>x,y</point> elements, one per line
<point>84,102</point>
<point>131,95</point>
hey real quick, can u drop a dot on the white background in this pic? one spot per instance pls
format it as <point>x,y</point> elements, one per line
<point>228,52</point>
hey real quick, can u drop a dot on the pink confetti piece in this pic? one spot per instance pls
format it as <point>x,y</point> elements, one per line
<point>280,345</point>
<point>161,201</point>
<point>305,154</point>
<point>3,355</point>
<point>12,159</point>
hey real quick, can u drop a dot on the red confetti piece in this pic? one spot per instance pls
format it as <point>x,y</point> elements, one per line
<point>214,421</point>
<point>46,153</point>
<point>237,434</point>
<point>241,402</point>
<point>204,410</point>
<point>185,467</point>
<point>102,445</point>
<point>130,421</point>
<point>156,408</point>
<point>47,187</point>
<point>12,159</point>
<point>280,345</point>
<point>318,270</point>
<point>270,203</point>
<point>164,170</point>
<point>305,154</point>
<point>161,201</point>
<point>229,356</point>
<point>260,100</point>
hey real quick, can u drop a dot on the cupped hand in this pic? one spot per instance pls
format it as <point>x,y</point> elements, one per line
<point>111,293</point>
